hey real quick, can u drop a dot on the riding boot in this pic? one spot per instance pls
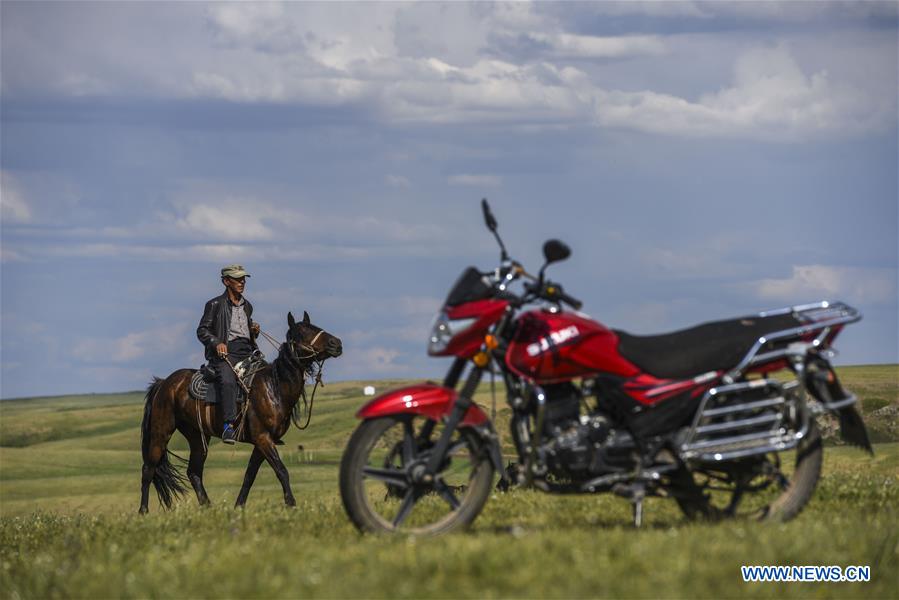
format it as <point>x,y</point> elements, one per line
<point>229,436</point>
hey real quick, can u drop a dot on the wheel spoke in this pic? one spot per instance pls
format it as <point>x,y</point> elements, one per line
<point>406,507</point>
<point>735,498</point>
<point>391,476</point>
<point>782,480</point>
<point>447,494</point>
<point>455,446</point>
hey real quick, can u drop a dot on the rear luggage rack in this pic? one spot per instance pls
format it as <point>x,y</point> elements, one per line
<point>819,319</point>
<point>736,420</point>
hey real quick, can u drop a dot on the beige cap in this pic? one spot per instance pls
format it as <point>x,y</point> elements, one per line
<point>234,272</point>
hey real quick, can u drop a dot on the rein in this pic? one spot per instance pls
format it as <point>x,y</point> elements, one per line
<point>310,348</point>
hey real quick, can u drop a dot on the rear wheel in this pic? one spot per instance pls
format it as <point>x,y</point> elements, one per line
<point>756,487</point>
<point>382,484</point>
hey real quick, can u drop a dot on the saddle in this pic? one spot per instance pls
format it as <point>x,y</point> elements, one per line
<point>246,371</point>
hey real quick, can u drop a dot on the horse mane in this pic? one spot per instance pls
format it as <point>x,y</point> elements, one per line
<point>289,368</point>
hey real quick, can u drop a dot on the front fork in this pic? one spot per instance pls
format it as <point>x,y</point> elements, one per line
<point>460,407</point>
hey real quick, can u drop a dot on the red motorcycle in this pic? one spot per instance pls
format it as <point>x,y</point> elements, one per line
<point>693,415</point>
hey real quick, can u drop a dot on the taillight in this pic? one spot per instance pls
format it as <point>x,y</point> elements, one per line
<point>444,330</point>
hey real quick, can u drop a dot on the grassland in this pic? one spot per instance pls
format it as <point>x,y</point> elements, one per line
<point>69,484</point>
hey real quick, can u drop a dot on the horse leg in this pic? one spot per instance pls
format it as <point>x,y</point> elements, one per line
<point>267,447</point>
<point>250,476</point>
<point>157,451</point>
<point>157,428</point>
<point>195,464</point>
<point>147,473</point>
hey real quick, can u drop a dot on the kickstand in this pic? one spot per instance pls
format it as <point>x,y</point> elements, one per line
<point>637,501</point>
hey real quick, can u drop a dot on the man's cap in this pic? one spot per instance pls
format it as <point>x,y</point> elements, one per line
<point>234,272</point>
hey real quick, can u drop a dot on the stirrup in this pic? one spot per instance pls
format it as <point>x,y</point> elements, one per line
<point>229,435</point>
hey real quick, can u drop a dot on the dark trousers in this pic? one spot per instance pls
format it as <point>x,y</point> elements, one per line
<point>238,350</point>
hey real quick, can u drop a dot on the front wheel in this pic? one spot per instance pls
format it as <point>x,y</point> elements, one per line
<point>382,482</point>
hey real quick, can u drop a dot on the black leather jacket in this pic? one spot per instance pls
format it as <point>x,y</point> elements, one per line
<point>216,321</point>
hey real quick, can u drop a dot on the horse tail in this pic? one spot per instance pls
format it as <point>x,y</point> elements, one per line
<point>168,481</point>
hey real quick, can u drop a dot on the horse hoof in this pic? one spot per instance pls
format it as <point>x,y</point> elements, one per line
<point>143,510</point>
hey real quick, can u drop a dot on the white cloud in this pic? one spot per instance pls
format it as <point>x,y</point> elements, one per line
<point>132,346</point>
<point>566,45</point>
<point>376,360</point>
<point>233,220</point>
<point>455,63</point>
<point>397,181</point>
<point>13,207</point>
<point>475,180</point>
<point>862,285</point>
<point>7,255</point>
<point>771,98</point>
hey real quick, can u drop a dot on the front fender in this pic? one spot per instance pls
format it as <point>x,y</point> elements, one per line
<point>426,399</point>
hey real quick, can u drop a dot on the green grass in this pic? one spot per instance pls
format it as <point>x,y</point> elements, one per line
<point>69,488</point>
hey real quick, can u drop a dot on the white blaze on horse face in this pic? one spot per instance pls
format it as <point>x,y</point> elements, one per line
<point>556,337</point>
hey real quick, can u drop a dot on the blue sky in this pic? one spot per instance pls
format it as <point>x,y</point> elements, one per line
<point>703,161</point>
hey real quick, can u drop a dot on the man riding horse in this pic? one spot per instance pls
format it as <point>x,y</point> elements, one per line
<point>228,333</point>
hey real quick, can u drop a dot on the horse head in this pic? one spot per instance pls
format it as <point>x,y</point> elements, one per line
<point>310,341</point>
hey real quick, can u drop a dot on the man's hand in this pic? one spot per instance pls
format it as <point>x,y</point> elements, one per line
<point>255,329</point>
<point>222,350</point>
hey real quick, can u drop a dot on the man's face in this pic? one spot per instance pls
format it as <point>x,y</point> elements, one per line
<point>236,285</point>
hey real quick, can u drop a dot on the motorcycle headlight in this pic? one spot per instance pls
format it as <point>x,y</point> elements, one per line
<point>444,330</point>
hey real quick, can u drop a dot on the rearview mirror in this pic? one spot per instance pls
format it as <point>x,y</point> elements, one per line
<point>555,250</point>
<point>489,219</point>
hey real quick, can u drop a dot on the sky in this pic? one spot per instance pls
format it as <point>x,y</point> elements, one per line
<point>702,160</point>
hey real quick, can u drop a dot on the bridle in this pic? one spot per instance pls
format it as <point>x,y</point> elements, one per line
<point>312,352</point>
<point>310,347</point>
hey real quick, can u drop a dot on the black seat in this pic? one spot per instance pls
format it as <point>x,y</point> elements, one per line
<point>716,346</point>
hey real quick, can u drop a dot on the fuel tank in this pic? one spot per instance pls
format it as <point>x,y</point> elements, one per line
<point>550,347</point>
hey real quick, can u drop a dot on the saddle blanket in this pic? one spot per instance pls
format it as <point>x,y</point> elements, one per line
<point>246,371</point>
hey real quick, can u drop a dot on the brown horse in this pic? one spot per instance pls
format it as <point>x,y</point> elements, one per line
<point>272,400</point>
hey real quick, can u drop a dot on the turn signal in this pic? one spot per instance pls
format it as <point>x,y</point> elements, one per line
<point>491,342</point>
<point>481,359</point>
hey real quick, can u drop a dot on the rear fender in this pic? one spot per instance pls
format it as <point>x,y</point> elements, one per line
<point>426,399</point>
<point>822,382</point>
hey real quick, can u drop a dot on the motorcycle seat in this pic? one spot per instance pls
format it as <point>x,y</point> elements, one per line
<point>715,346</point>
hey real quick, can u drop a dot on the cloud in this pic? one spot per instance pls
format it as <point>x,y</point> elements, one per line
<point>8,255</point>
<point>861,285</point>
<point>230,220</point>
<point>377,360</point>
<point>567,45</point>
<point>452,63</point>
<point>13,207</point>
<point>771,99</point>
<point>132,346</point>
<point>475,180</point>
<point>397,181</point>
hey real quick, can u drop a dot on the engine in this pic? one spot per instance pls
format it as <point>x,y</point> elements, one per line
<point>574,444</point>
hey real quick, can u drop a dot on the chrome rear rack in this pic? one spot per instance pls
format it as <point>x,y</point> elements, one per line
<point>819,317</point>
<point>729,425</point>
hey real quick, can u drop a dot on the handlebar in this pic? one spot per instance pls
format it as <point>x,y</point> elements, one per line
<point>554,293</point>
<point>570,301</point>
